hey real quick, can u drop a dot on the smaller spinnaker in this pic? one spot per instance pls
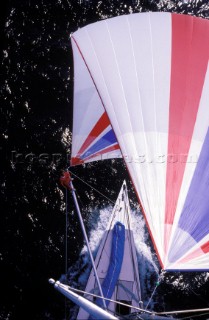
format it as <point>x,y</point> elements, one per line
<point>142,90</point>
<point>93,136</point>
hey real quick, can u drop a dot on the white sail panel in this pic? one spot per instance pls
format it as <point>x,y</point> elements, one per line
<point>93,139</point>
<point>127,104</point>
<point>150,71</point>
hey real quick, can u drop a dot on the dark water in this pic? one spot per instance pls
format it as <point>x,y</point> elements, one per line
<point>36,112</point>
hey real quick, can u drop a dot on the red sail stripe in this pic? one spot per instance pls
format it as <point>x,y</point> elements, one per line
<point>99,127</point>
<point>196,253</point>
<point>190,50</point>
<point>205,247</point>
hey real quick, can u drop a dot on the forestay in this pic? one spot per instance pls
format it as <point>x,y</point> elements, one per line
<point>115,255</point>
<point>142,90</point>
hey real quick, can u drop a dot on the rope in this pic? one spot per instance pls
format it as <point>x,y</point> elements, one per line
<point>205,310</point>
<point>144,310</point>
<point>91,187</point>
<point>157,284</point>
<point>111,300</point>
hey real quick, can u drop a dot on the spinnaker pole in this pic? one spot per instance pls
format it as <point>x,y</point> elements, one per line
<point>87,242</point>
<point>95,311</point>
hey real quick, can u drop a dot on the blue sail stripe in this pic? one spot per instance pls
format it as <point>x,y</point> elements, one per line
<point>105,141</point>
<point>193,224</point>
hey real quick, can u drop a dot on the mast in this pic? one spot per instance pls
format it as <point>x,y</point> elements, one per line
<point>87,242</point>
<point>90,307</point>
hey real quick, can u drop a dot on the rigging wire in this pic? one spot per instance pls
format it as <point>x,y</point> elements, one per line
<point>141,309</point>
<point>152,313</point>
<point>160,277</point>
<point>66,244</point>
<point>111,300</point>
<point>86,240</point>
<point>155,288</point>
<point>66,231</point>
<point>195,315</point>
<point>198,295</point>
<point>91,187</point>
<point>162,271</point>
